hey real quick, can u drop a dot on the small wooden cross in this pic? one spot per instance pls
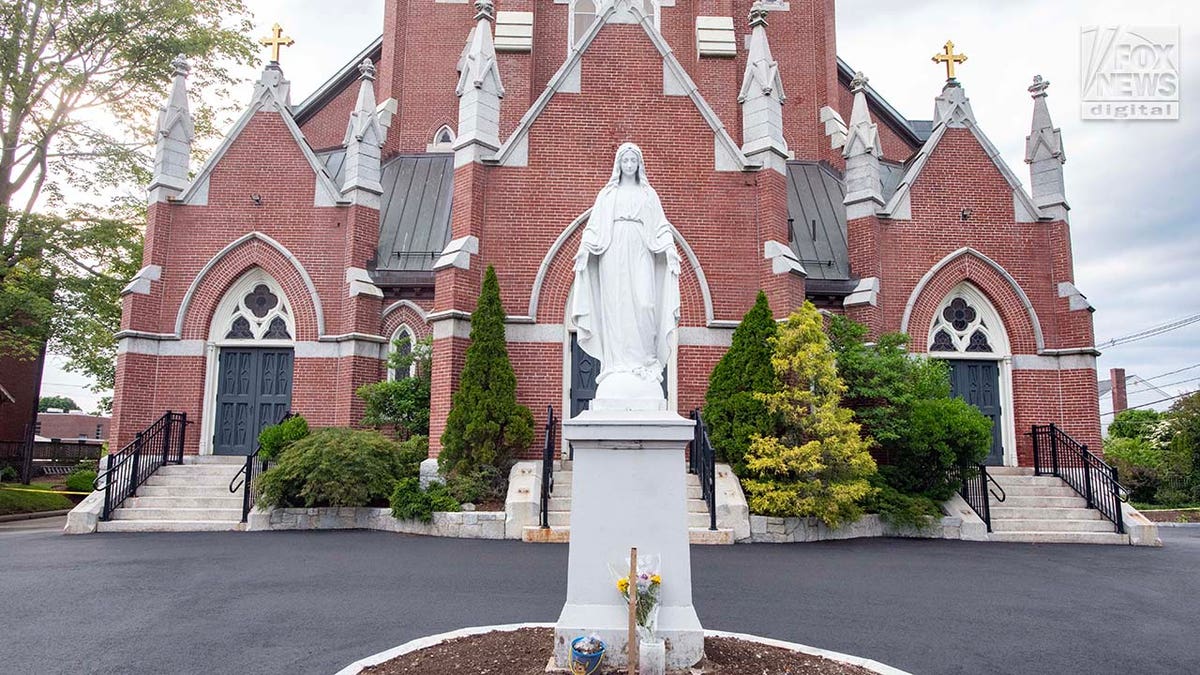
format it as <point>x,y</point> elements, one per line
<point>275,41</point>
<point>950,59</point>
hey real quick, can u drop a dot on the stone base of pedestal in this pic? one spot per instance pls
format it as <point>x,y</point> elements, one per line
<point>678,627</point>
<point>628,490</point>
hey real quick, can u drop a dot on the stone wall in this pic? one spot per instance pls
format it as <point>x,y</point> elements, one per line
<point>461,525</point>
<point>771,530</point>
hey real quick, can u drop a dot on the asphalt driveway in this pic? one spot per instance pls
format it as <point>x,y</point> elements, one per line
<point>313,602</point>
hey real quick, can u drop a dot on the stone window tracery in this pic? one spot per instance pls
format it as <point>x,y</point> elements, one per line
<point>402,343</point>
<point>255,308</point>
<point>960,326</point>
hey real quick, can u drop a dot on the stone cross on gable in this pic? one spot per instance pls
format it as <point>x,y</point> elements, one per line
<point>275,41</point>
<point>950,59</point>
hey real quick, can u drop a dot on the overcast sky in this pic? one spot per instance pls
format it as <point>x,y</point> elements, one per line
<point>1133,186</point>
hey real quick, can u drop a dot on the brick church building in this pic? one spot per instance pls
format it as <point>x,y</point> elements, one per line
<point>277,275</point>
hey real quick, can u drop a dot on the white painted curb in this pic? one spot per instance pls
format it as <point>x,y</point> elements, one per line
<point>429,641</point>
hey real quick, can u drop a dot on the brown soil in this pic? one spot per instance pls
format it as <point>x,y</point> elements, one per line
<point>1174,516</point>
<point>528,650</point>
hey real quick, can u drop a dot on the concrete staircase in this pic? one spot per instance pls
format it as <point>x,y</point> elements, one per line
<point>1044,509</point>
<point>559,510</point>
<point>189,497</point>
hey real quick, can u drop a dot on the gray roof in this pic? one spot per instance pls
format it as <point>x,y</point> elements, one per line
<point>815,194</point>
<point>414,213</point>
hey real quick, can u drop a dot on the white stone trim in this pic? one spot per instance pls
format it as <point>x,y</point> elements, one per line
<point>703,336</point>
<point>140,283</point>
<point>358,282</point>
<point>1077,300</point>
<point>452,326</point>
<point>514,31</point>
<point>727,157</point>
<point>547,333</point>
<point>325,192</point>
<point>432,640</point>
<point>783,258</point>
<point>865,293</point>
<point>715,36</point>
<point>548,259</point>
<point>916,293</point>
<point>458,253</point>
<point>157,347</point>
<point>1044,362</point>
<point>409,304</point>
<point>405,329</point>
<point>308,282</point>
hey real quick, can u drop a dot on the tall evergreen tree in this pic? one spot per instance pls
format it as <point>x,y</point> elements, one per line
<point>731,410</point>
<point>819,464</point>
<point>486,426</point>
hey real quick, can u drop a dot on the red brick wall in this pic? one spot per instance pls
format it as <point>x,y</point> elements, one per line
<point>20,377</point>
<point>327,127</point>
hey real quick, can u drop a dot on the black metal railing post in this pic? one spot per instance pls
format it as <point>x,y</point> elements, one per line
<point>1054,448</point>
<point>1087,480</point>
<point>702,461</point>
<point>166,437</point>
<point>547,469</point>
<point>1117,501</point>
<point>137,460</point>
<point>1037,453</point>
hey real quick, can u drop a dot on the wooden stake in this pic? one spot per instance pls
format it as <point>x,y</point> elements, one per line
<point>633,637</point>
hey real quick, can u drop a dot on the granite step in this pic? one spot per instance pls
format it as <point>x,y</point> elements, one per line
<point>178,514</point>
<point>153,490</point>
<point>201,480</point>
<point>177,502</point>
<point>214,459</point>
<point>1004,512</point>
<point>1020,501</point>
<point>1023,490</point>
<point>1015,525</point>
<point>228,471</point>
<point>169,526</point>
<point>1060,537</point>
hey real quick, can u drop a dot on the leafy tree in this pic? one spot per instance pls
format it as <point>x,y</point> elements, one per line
<point>403,403</point>
<point>486,426</point>
<point>883,381</point>
<point>1185,445</point>
<point>818,465</point>
<point>1140,466</point>
<point>731,410</point>
<point>80,81</point>
<point>1134,423</point>
<point>940,435</point>
<point>60,402</point>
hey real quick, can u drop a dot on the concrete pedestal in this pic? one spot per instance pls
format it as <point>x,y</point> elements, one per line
<point>628,490</point>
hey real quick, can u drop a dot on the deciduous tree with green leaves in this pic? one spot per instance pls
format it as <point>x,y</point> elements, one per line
<point>486,427</point>
<point>819,464</point>
<point>80,82</point>
<point>732,412</point>
<point>59,402</point>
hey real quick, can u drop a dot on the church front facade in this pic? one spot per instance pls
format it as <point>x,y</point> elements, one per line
<point>277,277</point>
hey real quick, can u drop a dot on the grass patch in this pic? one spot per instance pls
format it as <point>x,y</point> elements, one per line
<point>1143,506</point>
<point>41,498</point>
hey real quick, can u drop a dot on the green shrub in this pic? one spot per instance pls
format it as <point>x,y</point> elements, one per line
<point>486,426</point>
<point>1136,423</point>
<point>410,502</point>
<point>942,434</point>
<point>333,467</point>
<point>1185,445</point>
<point>412,452</point>
<point>478,486</point>
<point>81,481</point>
<point>732,413</point>
<point>402,405</point>
<point>274,439</point>
<point>819,465</point>
<point>916,512</point>
<point>9,475</point>
<point>883,382</point>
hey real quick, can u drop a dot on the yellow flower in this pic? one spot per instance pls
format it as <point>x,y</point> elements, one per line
<point>623,584</point>
<point>655,579</point>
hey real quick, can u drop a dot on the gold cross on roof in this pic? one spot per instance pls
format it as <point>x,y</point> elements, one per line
<point>275,41</point>
<point>950,59</point>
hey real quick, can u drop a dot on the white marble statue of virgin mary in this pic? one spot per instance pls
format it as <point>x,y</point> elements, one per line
<point>626,295</point>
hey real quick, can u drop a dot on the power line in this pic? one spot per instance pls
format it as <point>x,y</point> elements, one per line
<point>1150,332</point>
<point>1145,405</point>
<point>1159,386</point>
<point>1194,365</point>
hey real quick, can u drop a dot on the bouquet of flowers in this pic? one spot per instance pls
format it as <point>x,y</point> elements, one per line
<point>648,582</point>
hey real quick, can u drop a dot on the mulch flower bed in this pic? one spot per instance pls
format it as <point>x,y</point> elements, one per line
<point>1173,515</point>
<point>528,650</point>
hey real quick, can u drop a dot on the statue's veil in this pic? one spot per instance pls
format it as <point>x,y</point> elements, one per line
<point>615,178</point>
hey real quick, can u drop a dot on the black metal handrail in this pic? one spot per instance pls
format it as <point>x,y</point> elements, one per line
<point>159,444</point>
<point>1057,454</point>
<point>548,467</point>
<point>973,486</point>
<point>247,476</point>
<point>702,461</point>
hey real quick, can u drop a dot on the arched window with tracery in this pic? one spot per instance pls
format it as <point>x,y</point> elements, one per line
<point>966,323</point>
<point>254,308</point>
<point>585,12</point>
<point>403,342</point>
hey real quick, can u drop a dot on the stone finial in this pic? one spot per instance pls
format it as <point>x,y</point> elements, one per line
<point>273,81</point>
<point>762,98</point>
<point>952,107</point>
<point>758,14</point>
<point>859,82</point>
<point>363,141</point>
<point>367,69</point>
<point>485,10</point>
<point>173,138</point>
<point>862,150</point>
<point>1045,156</point>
